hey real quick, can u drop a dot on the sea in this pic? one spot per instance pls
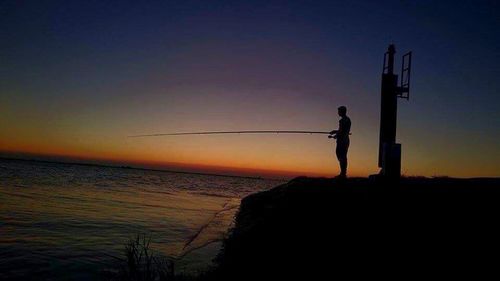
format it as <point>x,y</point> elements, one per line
<point>72,221</point>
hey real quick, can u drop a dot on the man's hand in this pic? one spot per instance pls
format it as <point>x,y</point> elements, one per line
<point>333,134</point>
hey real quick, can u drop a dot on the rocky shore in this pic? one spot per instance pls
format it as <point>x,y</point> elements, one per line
<point>318,229</point>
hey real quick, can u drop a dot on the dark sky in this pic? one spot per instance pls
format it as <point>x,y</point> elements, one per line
<point>78,76</point>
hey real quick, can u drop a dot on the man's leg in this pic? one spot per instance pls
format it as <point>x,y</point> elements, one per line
<point>341,152</point>
<point>342,157</point>
<point>343,165</point>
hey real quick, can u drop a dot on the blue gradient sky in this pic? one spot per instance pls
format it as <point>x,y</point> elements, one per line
<point>79,76</point>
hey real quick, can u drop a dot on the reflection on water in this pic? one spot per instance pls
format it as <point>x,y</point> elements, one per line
<point>59,220</point>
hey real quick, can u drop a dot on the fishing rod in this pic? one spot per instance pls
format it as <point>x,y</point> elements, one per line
<point>233,132</point>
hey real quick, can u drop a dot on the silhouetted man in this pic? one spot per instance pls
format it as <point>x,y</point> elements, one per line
<point>342,137</point>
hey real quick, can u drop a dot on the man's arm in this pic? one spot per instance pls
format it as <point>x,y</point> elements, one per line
<point>333,134</point>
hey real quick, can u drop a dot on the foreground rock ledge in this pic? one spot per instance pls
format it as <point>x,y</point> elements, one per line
<point>318,229</point>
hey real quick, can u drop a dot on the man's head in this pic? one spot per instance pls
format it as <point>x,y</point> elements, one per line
<point>342,111</point>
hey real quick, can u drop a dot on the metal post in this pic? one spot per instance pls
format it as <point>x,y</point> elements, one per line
<point>389,152</point>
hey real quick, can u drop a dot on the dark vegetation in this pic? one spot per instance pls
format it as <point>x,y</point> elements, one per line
<point>142,264</point>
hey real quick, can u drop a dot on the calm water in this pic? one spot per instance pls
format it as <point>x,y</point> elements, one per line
<point>68,222</point>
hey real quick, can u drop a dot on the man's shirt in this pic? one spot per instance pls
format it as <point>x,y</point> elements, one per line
<point>344,128</point>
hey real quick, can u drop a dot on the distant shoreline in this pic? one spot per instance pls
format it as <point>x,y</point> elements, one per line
<point>134,168</point>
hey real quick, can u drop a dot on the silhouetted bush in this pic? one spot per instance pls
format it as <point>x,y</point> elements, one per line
<point>142,264</point>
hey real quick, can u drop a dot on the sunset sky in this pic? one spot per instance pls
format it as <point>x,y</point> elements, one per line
<point>78,77</point>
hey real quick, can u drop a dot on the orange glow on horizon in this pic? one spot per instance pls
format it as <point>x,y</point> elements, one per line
<point>211,167</point>
<point>103,138</point>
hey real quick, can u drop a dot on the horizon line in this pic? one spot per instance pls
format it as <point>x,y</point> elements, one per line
<point>126,166</point>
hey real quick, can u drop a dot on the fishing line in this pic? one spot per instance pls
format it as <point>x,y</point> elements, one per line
<point>233,132</point>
